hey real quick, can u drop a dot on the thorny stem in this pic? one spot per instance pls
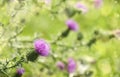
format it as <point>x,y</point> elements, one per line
<point>4,72</point>
<point>16,64</point>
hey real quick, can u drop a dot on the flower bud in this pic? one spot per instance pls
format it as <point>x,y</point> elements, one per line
<point>19,72</point>
<point>60,65</point>
<point>71,67</point>
<point>82,7</point>
<point>72,25</point>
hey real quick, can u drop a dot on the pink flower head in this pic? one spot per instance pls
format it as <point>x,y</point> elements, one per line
<point>71,65</point>
<point>98,3</point>
<point>72,25</point>
<point>82,7</point>
<point>20,71</point>
<point>42,47</point>
<point>60,65</point>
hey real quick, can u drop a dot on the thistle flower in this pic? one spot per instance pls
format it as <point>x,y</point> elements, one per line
<point>19,72</point>
<point>60,65</point>
<point>72,25</point>
<point>98,3</point>
<point>42,47</point>
<point>71,67</point>
<point>81,7</point>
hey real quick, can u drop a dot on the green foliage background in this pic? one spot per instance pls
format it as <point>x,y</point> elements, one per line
<point>42,20</point>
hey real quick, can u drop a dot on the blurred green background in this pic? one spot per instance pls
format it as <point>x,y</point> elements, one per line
<point>48,20</point>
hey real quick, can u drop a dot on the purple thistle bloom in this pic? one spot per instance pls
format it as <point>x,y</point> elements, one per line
<point>20,71</point>
<point>60,65</point>
<point>98,3</point>
<point>71,65</point>
<point>42,47</point>
<point>72,25</point>
<point>82,7</point>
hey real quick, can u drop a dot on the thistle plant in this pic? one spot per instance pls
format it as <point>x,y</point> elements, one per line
<point>66,50</point>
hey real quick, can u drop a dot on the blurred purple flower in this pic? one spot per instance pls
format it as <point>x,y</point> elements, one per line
<point>47,2</point>
<point>71,65</point>
<point>20,71</point>
<point>82,7</point>
<point>42,47</point>
<point>98,3</point>
<point>72,25</point>
<point>60,65</point>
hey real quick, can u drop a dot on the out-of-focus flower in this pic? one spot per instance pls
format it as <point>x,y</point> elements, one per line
<point>116,33</point>
<point>82,7</point>
<point>20,71</point>
<point>60,65</point>
<point>47,2</point>
<point>71,67</point>
<point>42,47</point>
<point>72,25</point>
<point>98,3</point>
